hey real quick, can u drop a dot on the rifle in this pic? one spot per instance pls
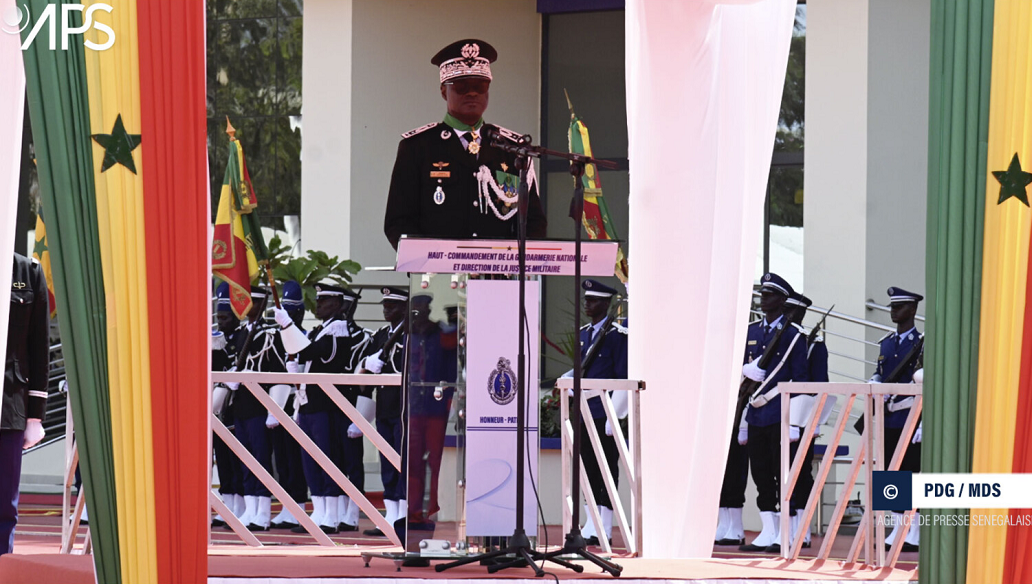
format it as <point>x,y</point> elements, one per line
<point>592,352</point>
<point>748,387</point>
<point>915,353</point>
<point>388,346</point>
<point>817,328</point>
<point>245,350</point>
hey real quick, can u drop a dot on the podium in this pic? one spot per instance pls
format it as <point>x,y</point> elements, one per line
<point>460,384</point>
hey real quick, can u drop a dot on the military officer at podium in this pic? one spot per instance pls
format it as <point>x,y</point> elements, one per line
<point>607,341</point>
<point>763,413</point>
<point>899,360</point>
<point>448,180</point>
<point>387,355</point>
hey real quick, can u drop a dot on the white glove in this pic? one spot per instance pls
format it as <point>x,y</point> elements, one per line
<point>233,385</point>
<point>743,435</point>
<point>282,318</point>
<point>919,376</point>
<point>271,421</point>
<point>373,364</point>
<point>33,432</point>
<point>292,366</point>
<point>793,433</point>
<point>568,374</point>
<point>609,428</point>
<point>874,379</point>
<point>917,434</point>
<point>354,432</point>
<point>752,371</point>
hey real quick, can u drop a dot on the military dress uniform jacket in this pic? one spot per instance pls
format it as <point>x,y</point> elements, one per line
<point>27,365</point>
<point>337,346</point>
<point>894,350</point>
<point>817,357</point>
<point>789,364</point>
<point>610,362</point>
<point>438,189</point>
<point>266,355</point>
<point>388,398</point>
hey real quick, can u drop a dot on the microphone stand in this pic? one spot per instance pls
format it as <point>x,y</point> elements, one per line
<point>519,544</point>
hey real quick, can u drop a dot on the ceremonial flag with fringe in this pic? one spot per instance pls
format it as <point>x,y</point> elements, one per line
<point>238,246</point>
<point>42,255</point>
<point>596,214</point>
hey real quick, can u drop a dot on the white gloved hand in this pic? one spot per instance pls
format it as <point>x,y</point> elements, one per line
<point>917,435</point>
<point>271,421</point>
<point>919,376</point>
<point>233,385</point>
<point>793,433</point>
<point>609,428</point>
<point>354,432</point>
<point>568,374</point>
<point>874,379</point>
<point>743,436</point>
<point>752,371</point>
<point>292,366</point>
<point>282,318</point>
<point>33,432</point>
<point>373,364</point>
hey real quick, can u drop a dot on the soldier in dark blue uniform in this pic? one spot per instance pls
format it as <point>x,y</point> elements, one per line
<point>895,349</point>
<point>330,351</point>
<point>448,181</point>
<point>226,343</point>
<point>26,374</point>
<point>387,355</point>
<point>763,414</point>
<point>251,415</point>
<point>610,362</point>
<point>286,452</point>
<point>432,369</point>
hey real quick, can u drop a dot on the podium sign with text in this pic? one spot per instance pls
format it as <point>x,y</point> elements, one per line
<point>499,256</point>
<point>492,366</point>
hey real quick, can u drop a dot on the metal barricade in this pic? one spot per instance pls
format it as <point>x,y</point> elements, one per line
<point>870,534</point>
<point>327,382</point>
<point>628,447</point>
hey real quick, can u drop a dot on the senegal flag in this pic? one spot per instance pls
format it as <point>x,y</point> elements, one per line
<point>978,377</point>
<point>596,213</point>
<point>119,128</point>
<point>238,246</point>
<point>42,255</point>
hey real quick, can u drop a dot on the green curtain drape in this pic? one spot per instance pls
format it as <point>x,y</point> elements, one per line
<point>961,60</point>
<point>58,109</point>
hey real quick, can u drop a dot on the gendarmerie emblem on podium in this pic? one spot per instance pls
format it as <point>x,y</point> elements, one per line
<point>502,383</point>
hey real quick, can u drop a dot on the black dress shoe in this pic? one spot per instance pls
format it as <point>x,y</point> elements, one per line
<point>216,523</point>
<point>298,529</point>
<point>331,529</point>
<point>909,547</point>
<point>256,527</point>
<point>342,527</point>
<point>374,532</point>
<point>774,548</point>
<point>751,548</point>
<point>285,525</point>
<point>729,541</point>
<point>593,540</point>
<point>806,545</point>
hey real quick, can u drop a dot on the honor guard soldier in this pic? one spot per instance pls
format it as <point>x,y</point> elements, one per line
<point>250,423</point>
<point>607,341</point>
<point>448,180</point>
<point>330,351</point>
<point>899,361</point>
<point>763,414</point>
<point>226,342</point>
<point>286,452</point>
<point>26,374</point>
<point>388,356</point>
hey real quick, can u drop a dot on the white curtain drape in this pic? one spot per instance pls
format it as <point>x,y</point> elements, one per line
<point>704,84</point>
<point>12,104</point>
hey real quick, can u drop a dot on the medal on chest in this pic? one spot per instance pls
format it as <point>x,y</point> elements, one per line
<point>439,195</point>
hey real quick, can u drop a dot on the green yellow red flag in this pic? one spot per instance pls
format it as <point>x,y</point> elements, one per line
<point>41,254</point>
<point>596,214</point>
<point>238,246</point>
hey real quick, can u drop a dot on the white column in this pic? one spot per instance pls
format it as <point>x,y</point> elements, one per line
<point>835,181</point>
<point>326,130</point>
<point>704,84</point>
<point>12,101</point>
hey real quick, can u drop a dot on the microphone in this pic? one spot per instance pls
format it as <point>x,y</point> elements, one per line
<point>494,134</point>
